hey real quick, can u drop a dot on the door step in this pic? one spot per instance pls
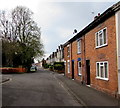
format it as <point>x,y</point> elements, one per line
<point>88,85</point>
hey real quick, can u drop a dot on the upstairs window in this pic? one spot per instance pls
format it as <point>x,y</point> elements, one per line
<point>79,46</point>
<point>101,38</point>
<point>68,50</point>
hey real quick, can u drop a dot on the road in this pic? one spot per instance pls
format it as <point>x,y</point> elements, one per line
<point>41,88</point>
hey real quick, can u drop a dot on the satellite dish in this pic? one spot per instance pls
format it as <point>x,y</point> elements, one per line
<point>75,31</point>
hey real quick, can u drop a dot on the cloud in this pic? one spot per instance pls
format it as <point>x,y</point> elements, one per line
<point>10,4</point>
<point>65,33</point>
<point>58,18</point>
<point>46,14</point>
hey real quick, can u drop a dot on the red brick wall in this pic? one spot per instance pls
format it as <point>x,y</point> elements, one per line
<point>107,53</point>
<point>66,58</point>
<point>89,52</point>
<point>75,57</point>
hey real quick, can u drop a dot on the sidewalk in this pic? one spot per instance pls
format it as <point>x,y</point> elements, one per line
<point>86,95</point>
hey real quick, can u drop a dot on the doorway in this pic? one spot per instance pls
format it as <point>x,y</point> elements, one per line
<point>72,69</point>
<point>88,71</point>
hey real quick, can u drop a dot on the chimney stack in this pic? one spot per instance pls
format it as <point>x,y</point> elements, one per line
<point>96,16</point>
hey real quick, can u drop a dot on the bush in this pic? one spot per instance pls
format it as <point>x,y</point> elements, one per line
<point>62,63</point>
<point>58,67</point>
<point>46,65</point>
<point>51,68</point>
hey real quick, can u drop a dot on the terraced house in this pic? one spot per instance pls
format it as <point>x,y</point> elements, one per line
<point>92,56</point>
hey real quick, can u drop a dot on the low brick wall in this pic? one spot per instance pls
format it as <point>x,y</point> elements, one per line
<point>13,70</point>
<point>60,71</point>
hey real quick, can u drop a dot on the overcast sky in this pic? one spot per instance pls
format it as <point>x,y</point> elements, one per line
<point>58,18</point>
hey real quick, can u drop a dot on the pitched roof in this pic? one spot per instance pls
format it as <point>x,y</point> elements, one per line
<point>105,15</point>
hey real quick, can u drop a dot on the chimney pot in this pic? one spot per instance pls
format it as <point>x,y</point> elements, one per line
<point>98,14</point>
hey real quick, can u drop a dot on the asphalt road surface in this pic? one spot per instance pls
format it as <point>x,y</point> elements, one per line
<point>41,88</point>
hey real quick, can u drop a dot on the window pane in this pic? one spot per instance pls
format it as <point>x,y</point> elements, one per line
<point>101,64</point>
<point>104,35</point>
<point>79,46</point>
<point>100,38</point>
<point>79,68</point>
<point>101,71</point>
<point>68,51</point>
<point>68,67</point>
<point>106,70</point>
<point>98,70</point>
<point>97,39</point>
<point>79,64</point>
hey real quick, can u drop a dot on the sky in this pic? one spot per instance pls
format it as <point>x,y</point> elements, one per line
<point>58,18</point>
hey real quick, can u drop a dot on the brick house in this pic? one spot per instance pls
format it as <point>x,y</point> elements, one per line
<point>57,56</point>
<point>92,56</point>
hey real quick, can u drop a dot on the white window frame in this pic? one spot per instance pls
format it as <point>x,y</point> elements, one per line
<point>68,66</point>
<point>79,68</point>
<point>68,51</point>
<point>97,38</point>
<point>98,71</point>
<point>65,65</point>
<point>79,46</point>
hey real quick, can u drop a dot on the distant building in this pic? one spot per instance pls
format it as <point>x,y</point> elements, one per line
<point>57,56</point>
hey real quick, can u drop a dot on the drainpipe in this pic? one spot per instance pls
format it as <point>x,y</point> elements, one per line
<point>71,58</point>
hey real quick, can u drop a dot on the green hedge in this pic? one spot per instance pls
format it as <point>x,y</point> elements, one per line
<point>56,66</point>
<point>46,65</point>
<point>51,67</point>
<point>59,66</point>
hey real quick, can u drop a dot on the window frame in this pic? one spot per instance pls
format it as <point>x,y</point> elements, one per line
<point>68,67</point>
<point>68,51</point>
<point>79,68</point>
<point>102,65</point>
<point>79,46</point>
<point>97,38</point>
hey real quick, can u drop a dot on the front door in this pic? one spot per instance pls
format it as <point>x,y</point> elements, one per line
<point>72,69</point>
<point>88,71</point>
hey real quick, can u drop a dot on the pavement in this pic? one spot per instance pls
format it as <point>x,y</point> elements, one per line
<point>87,96</point>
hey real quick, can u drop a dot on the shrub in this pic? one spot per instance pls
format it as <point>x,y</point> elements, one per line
<point>51,68</point>
<point>46,65</point>
<point>58,67</point>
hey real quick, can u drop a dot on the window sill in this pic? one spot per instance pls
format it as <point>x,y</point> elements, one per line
<point>106,79</point>
<point>79,53</point>
<point>79,74</point>
<point>101,46</point>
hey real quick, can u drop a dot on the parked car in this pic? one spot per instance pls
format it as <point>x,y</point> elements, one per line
<point>33,69</point>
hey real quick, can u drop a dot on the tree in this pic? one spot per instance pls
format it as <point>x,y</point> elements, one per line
<point>25,35</point>
<point>5,26</point>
